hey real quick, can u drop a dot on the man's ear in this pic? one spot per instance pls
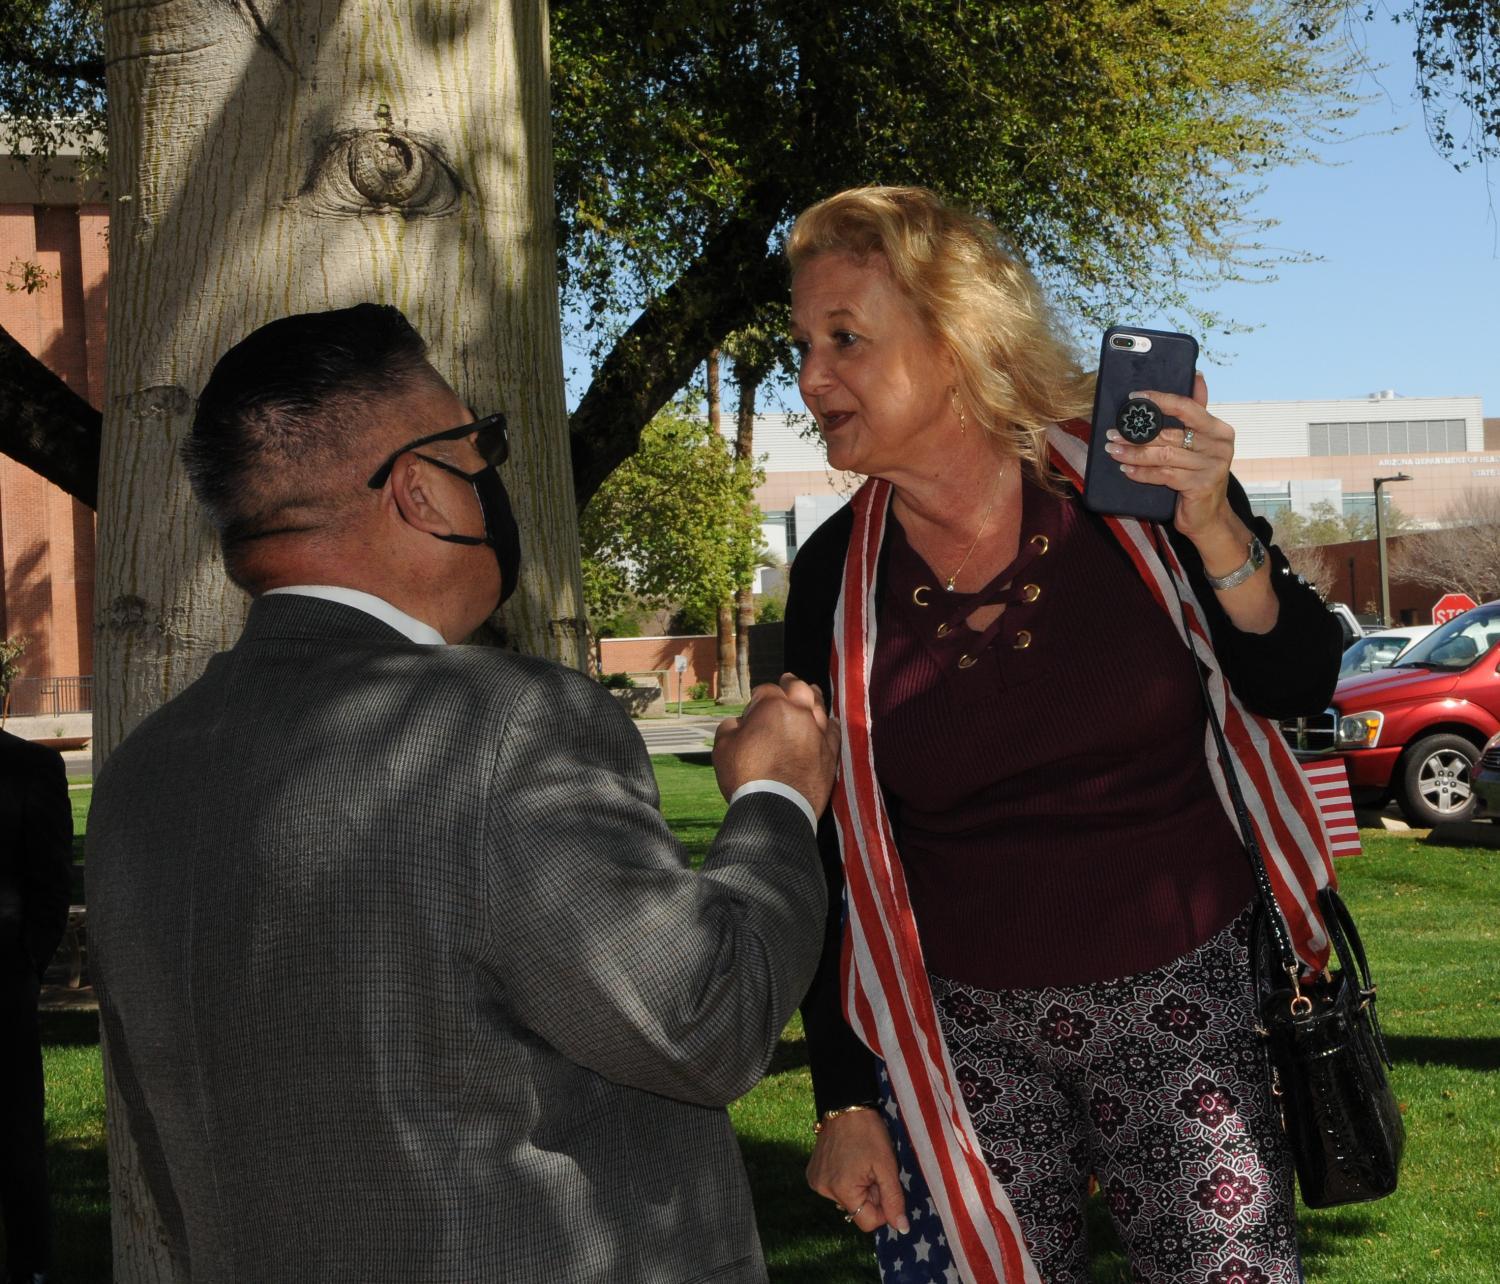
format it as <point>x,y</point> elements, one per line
<point>421,497</point>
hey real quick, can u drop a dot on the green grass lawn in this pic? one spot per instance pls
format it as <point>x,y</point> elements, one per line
<point>1430,916</point>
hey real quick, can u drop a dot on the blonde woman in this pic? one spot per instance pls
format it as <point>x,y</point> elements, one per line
<point>1035,969</point>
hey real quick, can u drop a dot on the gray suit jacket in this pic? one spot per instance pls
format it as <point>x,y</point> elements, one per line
<point>404,976</point>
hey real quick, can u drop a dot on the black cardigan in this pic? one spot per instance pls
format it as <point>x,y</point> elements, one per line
<point>1284,673</point>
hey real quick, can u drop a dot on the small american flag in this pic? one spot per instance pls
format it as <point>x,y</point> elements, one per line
<point>1329,783</point>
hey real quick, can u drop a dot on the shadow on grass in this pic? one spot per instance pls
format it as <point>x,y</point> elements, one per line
<point>1330,1235</point>
<point>70,1029</point>
<point>804,1236</point>
<point>790,1054</point>
<point>79,1176</point>
<point>1467,833</point>
<point>695,759</point>
<point>1465,1054</point>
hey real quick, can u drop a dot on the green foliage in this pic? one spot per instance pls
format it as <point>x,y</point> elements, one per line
<point>617,681</point>
<point>771,607</point>
<point>52,79</point>
<point>693,620</point>
<point>1114,142</point>
<point>11,651</point>
<point>1324,524</point>
<point>26,277</point>
<point>698,691</point>
<point>626,621</point>
<point>674,525</point>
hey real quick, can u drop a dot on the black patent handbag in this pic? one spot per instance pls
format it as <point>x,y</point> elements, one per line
<point>1328,1061</point>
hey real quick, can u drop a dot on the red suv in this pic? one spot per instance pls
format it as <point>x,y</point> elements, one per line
<point>1414,731</point>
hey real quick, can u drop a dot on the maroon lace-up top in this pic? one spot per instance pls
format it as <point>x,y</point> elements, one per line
<point>1048,775</point>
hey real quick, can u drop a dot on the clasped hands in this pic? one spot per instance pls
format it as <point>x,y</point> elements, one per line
<point>785,734</point>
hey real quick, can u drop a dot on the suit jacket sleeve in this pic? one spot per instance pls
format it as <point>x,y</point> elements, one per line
<point>48,840</point>
<point>843,1069</point>
<point>1292,669</point>
<point>604,941</point>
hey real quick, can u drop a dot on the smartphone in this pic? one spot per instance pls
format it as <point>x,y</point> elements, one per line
<point>1131,360</point>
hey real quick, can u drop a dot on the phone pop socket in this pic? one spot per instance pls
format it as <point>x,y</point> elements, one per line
<point>1139,420</point>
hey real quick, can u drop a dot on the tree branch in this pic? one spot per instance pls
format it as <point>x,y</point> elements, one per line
<point>47,426</point>
<point>733,276</point>
<point>90,70</point>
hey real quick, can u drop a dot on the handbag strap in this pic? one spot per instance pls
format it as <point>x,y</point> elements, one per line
<point>1351,952</point>
<point>1286,953</point>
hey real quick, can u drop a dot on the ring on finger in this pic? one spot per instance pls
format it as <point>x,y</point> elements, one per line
<point>1187,439</point>
<point>849,1217</point>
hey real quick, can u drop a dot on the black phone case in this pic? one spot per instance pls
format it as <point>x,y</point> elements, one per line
<point>1167,367</point>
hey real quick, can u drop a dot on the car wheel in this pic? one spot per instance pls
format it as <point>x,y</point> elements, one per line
<point>1434,786</point>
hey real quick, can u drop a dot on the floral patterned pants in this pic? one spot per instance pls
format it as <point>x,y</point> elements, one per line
<point>1153,1083</point>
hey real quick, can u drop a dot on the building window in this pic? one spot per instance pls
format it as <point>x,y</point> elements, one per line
<point>1270,504</point>
<point>1382,436</point>
<point>1359,503</point>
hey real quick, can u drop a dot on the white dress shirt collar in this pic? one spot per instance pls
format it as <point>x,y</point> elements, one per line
<point>407,625</point>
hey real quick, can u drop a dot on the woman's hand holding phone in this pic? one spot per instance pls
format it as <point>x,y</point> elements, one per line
<point>1196,466</point>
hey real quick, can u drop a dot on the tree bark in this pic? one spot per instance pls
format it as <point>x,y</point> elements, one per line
<point>744,449</point>
<point>732,686</point>
<point>729,674</point>
<point>271,159</point>
<point>47,426</point>
<point>715,418</point>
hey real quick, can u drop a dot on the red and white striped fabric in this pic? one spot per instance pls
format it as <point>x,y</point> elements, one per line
<point>887,997</point>
<point>1329,782</point>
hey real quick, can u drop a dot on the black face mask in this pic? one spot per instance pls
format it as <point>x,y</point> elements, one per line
<point>500,530</point>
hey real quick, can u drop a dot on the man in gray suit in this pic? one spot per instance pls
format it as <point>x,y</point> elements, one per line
<point>403,975</point>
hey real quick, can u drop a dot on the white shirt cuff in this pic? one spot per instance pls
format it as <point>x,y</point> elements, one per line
<point>776,787</point>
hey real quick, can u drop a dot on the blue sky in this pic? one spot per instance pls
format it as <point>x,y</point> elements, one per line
<point>1406,294</point>
<point>1405,291</point>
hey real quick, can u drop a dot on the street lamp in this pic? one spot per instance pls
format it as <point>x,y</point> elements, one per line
<point>1385,583</point>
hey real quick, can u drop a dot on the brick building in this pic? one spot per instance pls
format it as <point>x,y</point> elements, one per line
<point>51,225</point>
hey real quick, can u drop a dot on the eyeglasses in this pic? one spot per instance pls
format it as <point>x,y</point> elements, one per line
<point>491,440</point>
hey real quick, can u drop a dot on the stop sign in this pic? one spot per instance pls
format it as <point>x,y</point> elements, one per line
<point>1451,604</point>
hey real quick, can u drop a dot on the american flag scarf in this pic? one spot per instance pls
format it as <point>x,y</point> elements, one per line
<point>886,994</point>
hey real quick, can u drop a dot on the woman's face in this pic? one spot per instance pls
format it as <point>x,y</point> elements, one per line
<point>878,384</point>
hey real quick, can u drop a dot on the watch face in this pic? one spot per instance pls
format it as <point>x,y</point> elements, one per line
<point>1139,420</point>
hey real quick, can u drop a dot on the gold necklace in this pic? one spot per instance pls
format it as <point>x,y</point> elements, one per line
<point>983,522</point>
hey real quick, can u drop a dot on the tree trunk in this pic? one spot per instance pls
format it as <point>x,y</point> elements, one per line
<point>729,673</point>
<point>273,159</point>
<point>712,373</point>
<point>732,684</point>
<point>744,448</point>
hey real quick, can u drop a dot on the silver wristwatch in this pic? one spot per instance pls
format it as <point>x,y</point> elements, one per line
<point>1236,577</point>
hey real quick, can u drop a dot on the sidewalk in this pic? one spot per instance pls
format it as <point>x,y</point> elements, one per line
<point>691,733</point>
<point>79,762</point>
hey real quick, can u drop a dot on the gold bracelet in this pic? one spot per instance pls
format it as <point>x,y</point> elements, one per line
<point>834,1114</point>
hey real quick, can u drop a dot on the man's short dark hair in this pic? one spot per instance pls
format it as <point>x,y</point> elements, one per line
<point>287,400</point>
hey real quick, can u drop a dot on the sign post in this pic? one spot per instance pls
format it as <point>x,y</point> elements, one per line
<point>1450,605</point>
<point>679,662</point>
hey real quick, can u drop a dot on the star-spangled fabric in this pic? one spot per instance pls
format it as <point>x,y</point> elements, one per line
<point>887,998</point>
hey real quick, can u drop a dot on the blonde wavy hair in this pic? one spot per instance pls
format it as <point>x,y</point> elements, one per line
<point>1017,372</point>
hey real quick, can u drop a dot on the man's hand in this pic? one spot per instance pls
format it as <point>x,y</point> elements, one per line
<point>784,734</point>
